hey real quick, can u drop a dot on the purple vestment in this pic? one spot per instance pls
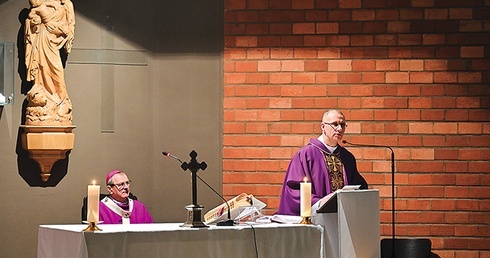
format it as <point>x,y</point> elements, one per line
<point>309,162</point>
<point>139,214</point>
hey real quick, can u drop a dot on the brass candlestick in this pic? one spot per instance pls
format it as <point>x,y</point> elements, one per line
<point>306,220</point>
<point>92,226</point>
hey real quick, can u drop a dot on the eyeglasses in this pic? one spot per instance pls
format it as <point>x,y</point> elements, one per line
<point>336,125</point>
<point>121,185</point>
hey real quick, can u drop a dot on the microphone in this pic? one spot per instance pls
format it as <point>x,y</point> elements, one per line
<point>392,187</point>
<point>229,221</point>
<point>377,146</point>
<point>168,154</point>
<point>366,145</point>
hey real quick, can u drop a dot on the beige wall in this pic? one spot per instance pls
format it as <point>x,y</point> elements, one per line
<point>170,100</point>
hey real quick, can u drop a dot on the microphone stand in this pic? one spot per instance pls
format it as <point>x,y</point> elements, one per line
<point>392,189</point>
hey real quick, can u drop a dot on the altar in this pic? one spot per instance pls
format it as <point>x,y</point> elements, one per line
<point>172,240</point>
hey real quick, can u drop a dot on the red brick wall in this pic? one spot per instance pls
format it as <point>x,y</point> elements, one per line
<point>410,74</point>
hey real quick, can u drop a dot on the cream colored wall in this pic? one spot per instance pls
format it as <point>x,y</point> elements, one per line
<point>173,103</point>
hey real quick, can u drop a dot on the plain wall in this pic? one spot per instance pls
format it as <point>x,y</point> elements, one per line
<point>171,101</point>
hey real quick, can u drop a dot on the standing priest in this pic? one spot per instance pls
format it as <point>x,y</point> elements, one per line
<point>324,163</point>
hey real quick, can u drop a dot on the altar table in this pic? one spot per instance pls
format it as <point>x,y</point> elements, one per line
<point>171,240</point>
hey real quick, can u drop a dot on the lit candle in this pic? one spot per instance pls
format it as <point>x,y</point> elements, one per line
<point>305,198</point>
<point>93,202</point>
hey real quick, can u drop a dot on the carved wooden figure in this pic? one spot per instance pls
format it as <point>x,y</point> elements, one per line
<point>49,28</point>
<point>47,133</point>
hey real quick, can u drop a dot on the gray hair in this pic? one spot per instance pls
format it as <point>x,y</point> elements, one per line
<point>332,110</point>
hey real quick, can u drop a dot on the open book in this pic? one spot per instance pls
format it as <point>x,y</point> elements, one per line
<point>241,206</point>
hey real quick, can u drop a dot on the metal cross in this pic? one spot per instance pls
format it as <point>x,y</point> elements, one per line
<point>194,166</point>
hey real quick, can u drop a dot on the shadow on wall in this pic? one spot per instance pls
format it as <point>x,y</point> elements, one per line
<point>167,26</point>
<point>22,69</point>
<point>30,170</point>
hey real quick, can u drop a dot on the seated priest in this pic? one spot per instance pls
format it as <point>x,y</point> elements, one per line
<point>118,208</point>
<point>324,163</point>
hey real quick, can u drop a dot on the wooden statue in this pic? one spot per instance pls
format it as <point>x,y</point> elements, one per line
<point>49,28</point>
<point>47,133</point>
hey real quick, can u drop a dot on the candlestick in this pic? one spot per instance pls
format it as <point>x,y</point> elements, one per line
<point>306,220</point>
<point>92,226</point>
<point>93,193</point>
<point>305,198</point>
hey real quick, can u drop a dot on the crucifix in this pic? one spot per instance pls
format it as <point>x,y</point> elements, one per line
<point>194,209</point>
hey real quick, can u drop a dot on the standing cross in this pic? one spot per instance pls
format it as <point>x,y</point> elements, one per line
<point>194,166</point>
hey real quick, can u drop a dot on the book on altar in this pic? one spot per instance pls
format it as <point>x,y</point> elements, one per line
<point>241,206</point>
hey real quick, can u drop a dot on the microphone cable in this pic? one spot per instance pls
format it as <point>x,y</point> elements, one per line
<point>251,226</point>
<point>255,241</point>
<point>226,222</point>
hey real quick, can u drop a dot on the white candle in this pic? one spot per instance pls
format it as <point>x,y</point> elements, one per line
<point>305,198</point>
<point>93,202</point>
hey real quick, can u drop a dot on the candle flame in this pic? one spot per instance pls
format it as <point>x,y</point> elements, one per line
<point>93,182</point>
<point>305,180</point>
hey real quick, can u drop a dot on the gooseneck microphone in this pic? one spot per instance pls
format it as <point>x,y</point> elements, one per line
<point>367,145</point>
<point>229,221</point>
<point>392,186</point>
<point>168,154</point>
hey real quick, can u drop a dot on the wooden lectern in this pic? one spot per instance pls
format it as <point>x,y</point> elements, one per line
<point>352,225</point>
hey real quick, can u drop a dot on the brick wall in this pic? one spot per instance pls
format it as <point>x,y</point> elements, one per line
<point>410,74</point>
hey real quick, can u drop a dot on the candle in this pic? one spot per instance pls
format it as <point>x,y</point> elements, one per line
<point>305,198</point>
<point>93,193</point>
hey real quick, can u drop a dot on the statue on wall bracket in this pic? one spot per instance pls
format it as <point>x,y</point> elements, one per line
<point>47,133</point>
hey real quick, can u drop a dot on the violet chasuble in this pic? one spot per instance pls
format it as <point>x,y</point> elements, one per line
<point>313,161</point>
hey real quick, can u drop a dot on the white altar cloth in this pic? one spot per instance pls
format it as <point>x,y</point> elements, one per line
<point>171,240</point>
